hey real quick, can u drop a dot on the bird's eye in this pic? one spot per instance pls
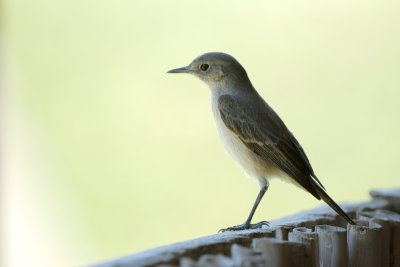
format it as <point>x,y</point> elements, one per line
<point>204,67</point>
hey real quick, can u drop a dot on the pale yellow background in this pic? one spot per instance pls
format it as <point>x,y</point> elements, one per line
<point>105,154</point>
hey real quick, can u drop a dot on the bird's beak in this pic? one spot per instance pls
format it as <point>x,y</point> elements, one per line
<point>179,70</point>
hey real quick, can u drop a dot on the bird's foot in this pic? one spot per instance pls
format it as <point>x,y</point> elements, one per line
<point>244,227</point>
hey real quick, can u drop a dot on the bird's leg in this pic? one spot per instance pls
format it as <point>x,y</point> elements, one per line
<point>247,224</point>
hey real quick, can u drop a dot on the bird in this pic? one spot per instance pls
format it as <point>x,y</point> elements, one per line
<point>252,133</point>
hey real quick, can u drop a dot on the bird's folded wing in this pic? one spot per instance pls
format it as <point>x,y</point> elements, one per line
<point>262,131</point>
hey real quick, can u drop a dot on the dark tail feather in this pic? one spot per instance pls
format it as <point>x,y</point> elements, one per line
<point>321,192</point>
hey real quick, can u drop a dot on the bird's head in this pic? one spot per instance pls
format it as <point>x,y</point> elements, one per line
<point>217,70</point>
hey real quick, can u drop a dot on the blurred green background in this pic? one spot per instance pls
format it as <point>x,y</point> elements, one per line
<point>104,154</point>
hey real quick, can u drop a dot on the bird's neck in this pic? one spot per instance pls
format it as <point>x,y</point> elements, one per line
<point>231,87</point>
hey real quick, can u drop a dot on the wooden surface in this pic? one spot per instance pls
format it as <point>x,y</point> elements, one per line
<point>317,237</point>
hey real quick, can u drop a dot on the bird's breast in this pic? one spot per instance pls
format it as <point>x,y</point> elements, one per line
<point>255,167</point>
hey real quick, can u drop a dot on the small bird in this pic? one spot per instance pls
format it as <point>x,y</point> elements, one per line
<point>252,133</point>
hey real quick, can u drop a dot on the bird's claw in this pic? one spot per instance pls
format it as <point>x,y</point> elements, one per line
<point>244,227</point>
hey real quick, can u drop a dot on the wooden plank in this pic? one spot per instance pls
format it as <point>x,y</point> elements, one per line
<point>332,248</point>
<point>219,246</point>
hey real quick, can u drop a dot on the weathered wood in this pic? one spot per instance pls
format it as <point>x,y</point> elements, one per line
<point>282,233</point>
<point>309,238</point>
<point>207,261</point>
<point>332,248</point>
<point>186,262</point>
<point>395,245</point>
<point>390,222</point>
<point>215,261</point>
<point>213,244</point>
<point>390,195</point>
<point>325,215</point>
<point>367,242</point>
<point>386,225</point>
<point>364,240</point>
<point>281,253</point>
<point>243,256</point>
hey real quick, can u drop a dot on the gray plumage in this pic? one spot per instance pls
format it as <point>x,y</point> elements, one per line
<point>252,133</point>
<point>264,133</point>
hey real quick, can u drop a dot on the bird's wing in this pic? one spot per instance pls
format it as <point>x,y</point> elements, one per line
<point>263,132</point>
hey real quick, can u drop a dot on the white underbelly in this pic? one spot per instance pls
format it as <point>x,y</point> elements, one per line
<point>255,167</point>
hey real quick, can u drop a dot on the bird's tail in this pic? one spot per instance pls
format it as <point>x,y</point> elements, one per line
<point>321,192</point>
